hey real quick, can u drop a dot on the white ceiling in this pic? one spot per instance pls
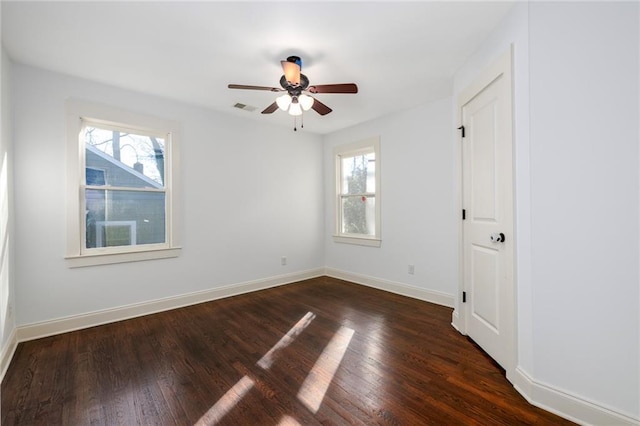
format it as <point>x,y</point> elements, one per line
<point>401,54</point>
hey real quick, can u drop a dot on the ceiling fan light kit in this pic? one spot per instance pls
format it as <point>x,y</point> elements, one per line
<point>296,84</point>
<point>293,104</point>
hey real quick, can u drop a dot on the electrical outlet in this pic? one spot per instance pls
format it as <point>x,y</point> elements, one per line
<point>411,269</point>
<point>283,260</point>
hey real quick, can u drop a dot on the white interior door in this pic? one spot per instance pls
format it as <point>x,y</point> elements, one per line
<point>487,199</point>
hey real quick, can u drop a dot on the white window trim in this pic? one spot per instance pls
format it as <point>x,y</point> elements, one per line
<point>77,112</point>
<point>352,149</point>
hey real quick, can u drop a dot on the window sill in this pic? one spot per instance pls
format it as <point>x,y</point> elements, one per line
<point>111,258</point>
<point>360,241</point>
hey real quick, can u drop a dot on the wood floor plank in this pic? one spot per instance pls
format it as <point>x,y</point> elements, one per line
<point>318,352</point>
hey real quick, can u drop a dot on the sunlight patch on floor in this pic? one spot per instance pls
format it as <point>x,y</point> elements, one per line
<point>313,388</point>
<point>266,361</point>
<point>288,421</point>
<point>226,403</point>
<point>317,382</point>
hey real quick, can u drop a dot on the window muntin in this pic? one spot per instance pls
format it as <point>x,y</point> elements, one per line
<point>124,192</point>
<point>357,193</point>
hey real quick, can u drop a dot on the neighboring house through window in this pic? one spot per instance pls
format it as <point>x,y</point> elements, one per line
<point>120,171</point>
<point>357,170</point>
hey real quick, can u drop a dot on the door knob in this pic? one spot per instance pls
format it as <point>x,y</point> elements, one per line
<point>497,238</point>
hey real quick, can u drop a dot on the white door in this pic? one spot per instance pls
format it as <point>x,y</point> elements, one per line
<point>487,200</point>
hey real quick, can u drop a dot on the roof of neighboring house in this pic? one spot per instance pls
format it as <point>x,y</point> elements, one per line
<point>145,180</point>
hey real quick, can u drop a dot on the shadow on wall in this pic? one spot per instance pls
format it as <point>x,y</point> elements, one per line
<point>6,311</point>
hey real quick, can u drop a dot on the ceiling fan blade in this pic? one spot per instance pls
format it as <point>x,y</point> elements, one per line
<point>271,108</point>
<point>244,86</point>
<point>291,72</point>
<point>320,108</point>
<point>334,88</point>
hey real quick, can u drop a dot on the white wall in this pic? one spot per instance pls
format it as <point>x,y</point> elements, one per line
<point>251,194</point>
<point>417,201</point>
<point>7,298</point>
<point>577,206</point>
<point>584,199</point>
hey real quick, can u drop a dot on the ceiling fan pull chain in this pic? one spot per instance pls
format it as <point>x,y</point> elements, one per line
<point>295,122</point>
<point>302,121</point>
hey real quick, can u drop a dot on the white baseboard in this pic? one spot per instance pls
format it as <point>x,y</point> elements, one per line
<point>6,353</point>
<point>431,296</point>
<point>91,319</point>
<point>566,405</point>
<point>455,321</point>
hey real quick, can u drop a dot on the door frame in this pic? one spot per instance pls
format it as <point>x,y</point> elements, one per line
<point>503,65</point>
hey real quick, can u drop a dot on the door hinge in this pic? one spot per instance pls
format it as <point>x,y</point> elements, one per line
<point>464,297</point>
<point>461,128</point>
<point>464,214</point>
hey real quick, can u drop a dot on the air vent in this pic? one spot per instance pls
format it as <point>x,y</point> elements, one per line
<point>245,107</point>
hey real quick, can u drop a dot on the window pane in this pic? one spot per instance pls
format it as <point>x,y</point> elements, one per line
<point>124,218</point>
<point>95,176</point>
<point>358,174</point>
<point>358,215</point>
<point>123,159</point>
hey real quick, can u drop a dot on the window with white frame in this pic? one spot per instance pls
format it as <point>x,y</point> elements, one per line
<point>357,170</point>
<point>121,175</point>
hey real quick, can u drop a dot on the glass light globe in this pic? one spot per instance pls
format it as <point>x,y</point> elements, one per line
<point>283,102</point>
<point>306,102</point>
<point>295,109</point>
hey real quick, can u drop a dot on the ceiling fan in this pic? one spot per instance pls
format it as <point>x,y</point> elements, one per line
<point>296,84</point>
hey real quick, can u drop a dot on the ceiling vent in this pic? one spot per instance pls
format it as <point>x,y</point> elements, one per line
<point>245,107</point>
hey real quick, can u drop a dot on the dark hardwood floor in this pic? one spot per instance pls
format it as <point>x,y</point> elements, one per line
<point>322,351</point>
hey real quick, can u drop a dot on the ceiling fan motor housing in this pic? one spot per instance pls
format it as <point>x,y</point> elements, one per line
<point>294,90</point>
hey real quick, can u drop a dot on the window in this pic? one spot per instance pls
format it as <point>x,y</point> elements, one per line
<point>358,193</point>
<point>120,178</point>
